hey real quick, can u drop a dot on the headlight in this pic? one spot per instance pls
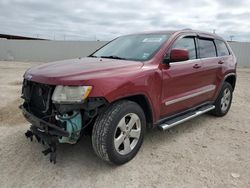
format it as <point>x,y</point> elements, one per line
<point>70,94</point>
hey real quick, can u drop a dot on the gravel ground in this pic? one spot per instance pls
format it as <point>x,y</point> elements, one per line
<point>204,152</point>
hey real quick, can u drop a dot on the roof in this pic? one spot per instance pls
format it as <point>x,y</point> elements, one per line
<point>17,37</point>
<point>199,33</point>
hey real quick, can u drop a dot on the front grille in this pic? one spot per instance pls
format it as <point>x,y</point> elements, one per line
<point>37,98</point>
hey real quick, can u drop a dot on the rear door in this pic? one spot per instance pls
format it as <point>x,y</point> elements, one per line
<point>211,63</point>
<point>224,56</point>
<point>182,87</point>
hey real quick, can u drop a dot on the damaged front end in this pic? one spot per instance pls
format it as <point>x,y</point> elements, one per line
<point>57,114</point>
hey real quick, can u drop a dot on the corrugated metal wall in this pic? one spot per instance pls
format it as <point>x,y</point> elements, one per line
<point>242,52</point>
<point>45,51</point>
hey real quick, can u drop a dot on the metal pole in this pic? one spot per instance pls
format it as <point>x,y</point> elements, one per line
<point>231,37</point>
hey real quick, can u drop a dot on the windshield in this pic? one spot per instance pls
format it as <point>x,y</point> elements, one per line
<point>139,47</point>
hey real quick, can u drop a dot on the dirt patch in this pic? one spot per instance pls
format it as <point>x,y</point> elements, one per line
<point>16,83</point>
<point>11,114</point>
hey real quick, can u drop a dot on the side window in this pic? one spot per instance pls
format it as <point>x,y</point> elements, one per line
<point>222,49</point>
<point>207,48</point>
<point>187,44</point>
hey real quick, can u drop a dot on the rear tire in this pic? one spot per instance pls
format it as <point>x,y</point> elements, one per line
<point>224,100</point>
<point>118,132</point>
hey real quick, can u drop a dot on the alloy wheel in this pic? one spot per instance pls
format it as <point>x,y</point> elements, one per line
<point>127,133</point>
<point>225,100</point>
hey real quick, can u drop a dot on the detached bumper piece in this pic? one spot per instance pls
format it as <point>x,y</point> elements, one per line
<point>45,133</point>
<point>50,141</point>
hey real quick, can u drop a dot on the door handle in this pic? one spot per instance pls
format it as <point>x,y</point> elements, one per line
<point>196,66</point>
<point>221,62</point>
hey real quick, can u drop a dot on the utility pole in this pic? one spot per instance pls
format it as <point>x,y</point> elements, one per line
<point>214,30</point>
<point>231,37</point>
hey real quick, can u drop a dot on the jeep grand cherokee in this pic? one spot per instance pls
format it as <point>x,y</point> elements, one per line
<point>137,81</point>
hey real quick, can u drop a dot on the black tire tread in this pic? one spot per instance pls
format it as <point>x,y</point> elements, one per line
<point>217,111</point>
<point>101,128</point>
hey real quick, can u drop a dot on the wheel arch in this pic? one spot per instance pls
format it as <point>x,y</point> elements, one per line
<point>144,103</point>
<point>231,79</point>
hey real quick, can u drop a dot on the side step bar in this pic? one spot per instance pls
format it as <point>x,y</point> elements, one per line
<point>190,115</point>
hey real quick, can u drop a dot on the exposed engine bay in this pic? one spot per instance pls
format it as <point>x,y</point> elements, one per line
<point>53,123</point>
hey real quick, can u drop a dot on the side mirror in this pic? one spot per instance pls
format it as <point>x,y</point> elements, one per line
<point>177,55</point>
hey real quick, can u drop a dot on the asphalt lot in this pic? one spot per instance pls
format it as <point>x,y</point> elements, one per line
<point>204,152</point>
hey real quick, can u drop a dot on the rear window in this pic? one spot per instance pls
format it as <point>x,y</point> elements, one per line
<point>207,48</point>
<point>222,49</point>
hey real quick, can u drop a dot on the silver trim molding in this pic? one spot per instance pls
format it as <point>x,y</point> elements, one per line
<point>166,126</point>
<point>167,103</point>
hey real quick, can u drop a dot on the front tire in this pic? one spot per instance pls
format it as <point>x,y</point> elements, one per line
<point>118,132</point>
<point>224,100</point>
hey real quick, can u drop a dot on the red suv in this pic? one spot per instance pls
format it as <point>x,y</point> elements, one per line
<point>137,81</point>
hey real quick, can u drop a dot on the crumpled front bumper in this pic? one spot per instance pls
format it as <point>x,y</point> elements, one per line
<point>44,132</point>
<point>42,125</point>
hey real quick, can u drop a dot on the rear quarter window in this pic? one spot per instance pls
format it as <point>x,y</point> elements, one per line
<point>207,48</point>
<point>222,49</point>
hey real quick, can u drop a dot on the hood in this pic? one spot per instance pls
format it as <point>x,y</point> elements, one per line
<point>77,71</point>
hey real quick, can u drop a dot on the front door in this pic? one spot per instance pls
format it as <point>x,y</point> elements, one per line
<point>182,86</point>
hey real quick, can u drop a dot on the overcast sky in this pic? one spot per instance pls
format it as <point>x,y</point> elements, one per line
<point>106,19</point>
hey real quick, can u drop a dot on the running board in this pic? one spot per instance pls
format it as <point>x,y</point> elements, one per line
<point>190,115</point>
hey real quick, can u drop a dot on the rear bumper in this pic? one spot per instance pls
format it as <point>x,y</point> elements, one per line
<point>43,126</point>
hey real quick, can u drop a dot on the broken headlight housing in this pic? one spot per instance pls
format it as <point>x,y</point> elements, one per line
<point>70,94</point>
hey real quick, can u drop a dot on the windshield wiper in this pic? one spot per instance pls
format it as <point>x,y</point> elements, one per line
<point>92,56</point>
<point>113,57</point>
